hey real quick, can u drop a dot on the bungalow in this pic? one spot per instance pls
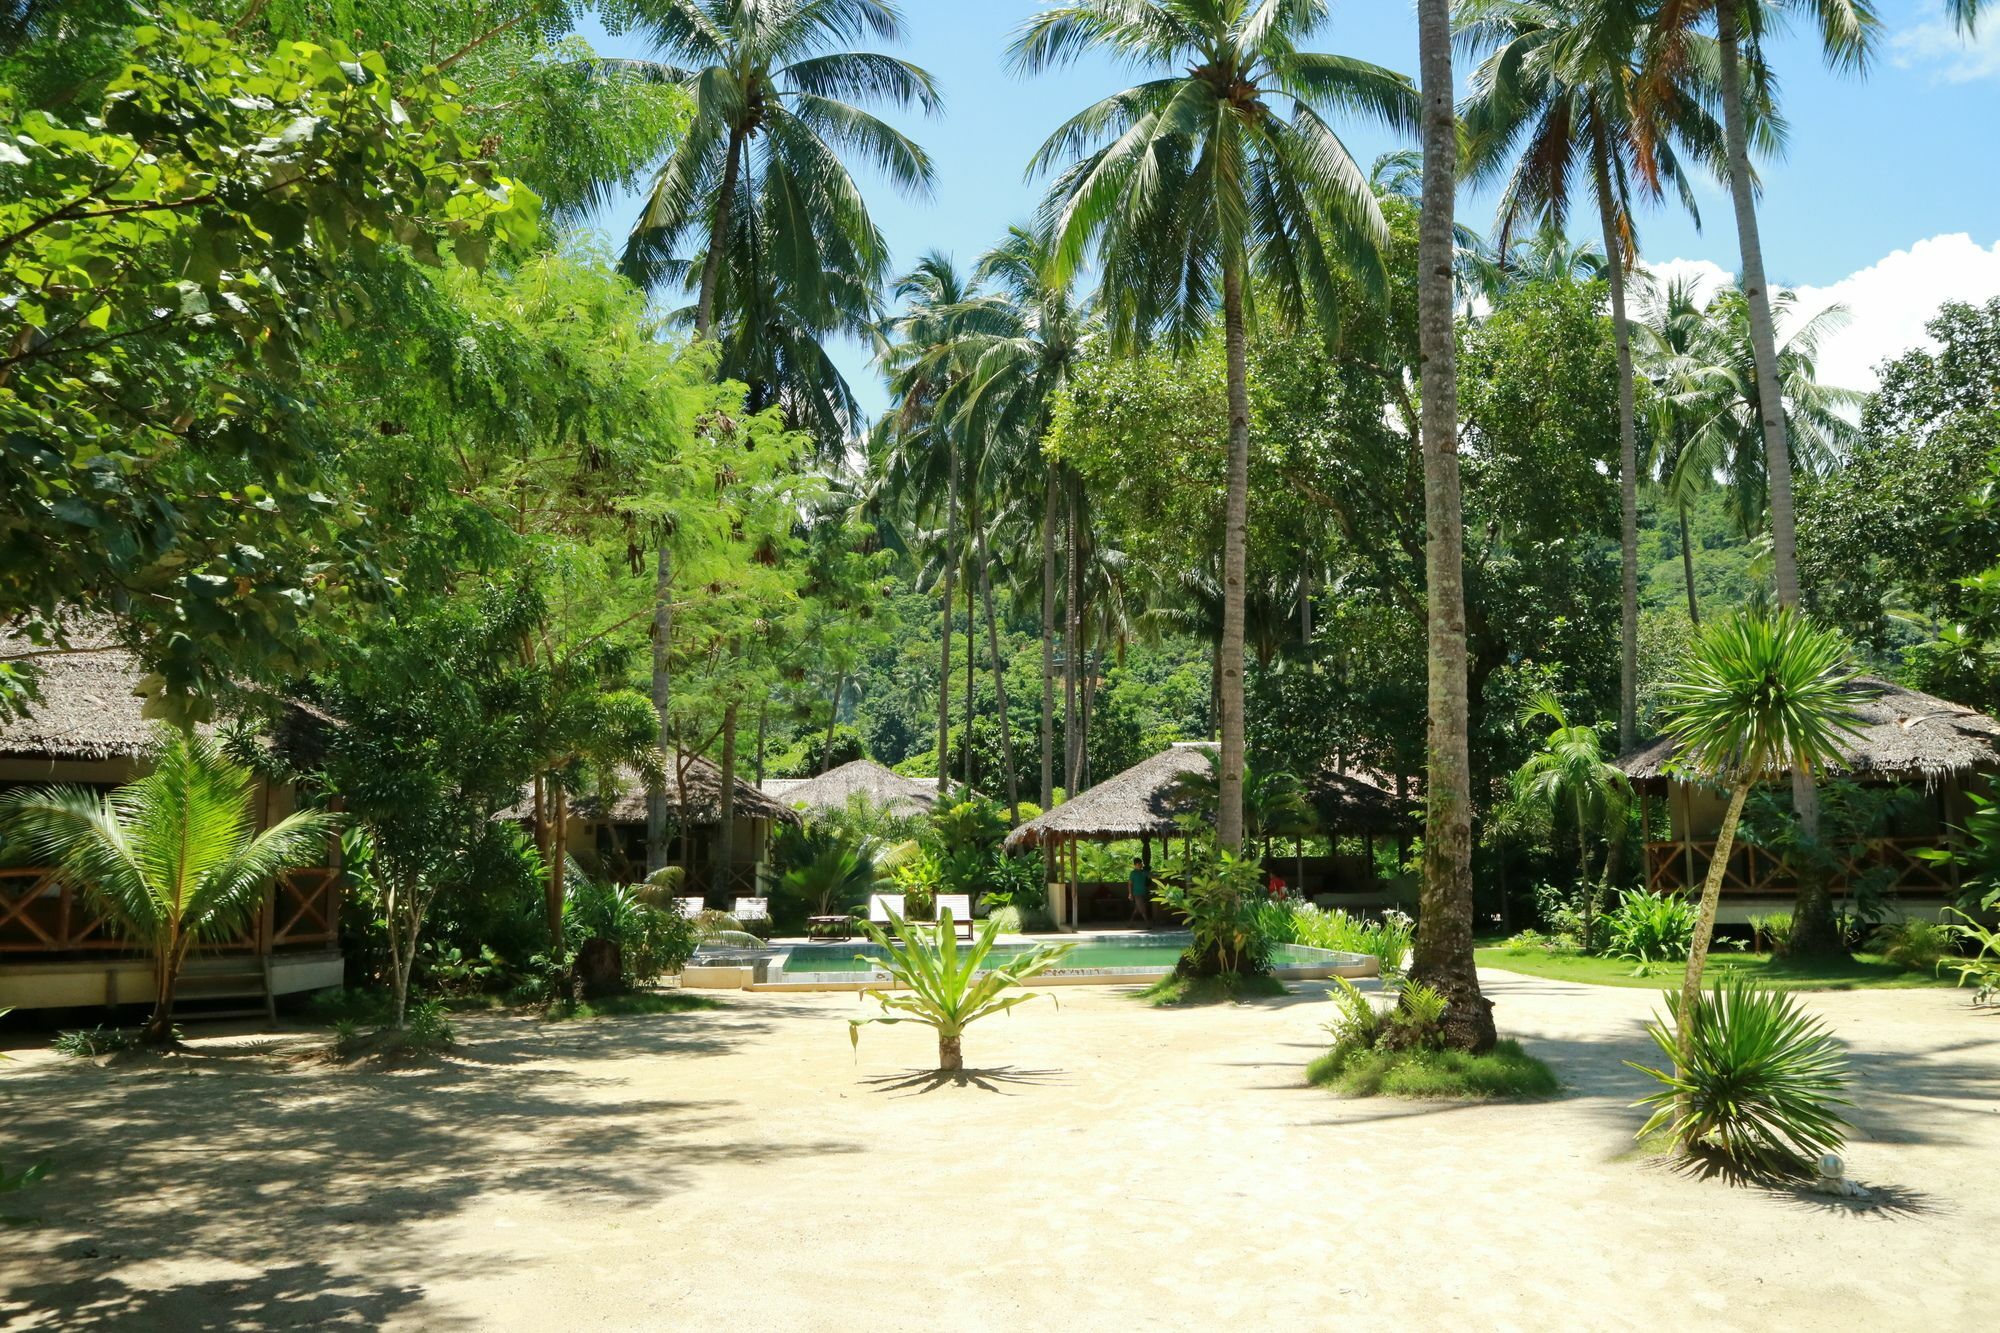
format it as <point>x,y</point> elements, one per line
<point>56,952</point>
<point>607,830</point>
<point>883,788</point>
<point>1907,738</point>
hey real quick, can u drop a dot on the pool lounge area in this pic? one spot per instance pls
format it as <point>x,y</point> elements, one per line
<point>1124,958</point>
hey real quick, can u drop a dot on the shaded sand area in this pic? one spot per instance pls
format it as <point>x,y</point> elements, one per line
<point>1111,1167</point>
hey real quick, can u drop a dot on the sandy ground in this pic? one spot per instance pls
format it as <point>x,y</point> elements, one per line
<point>1111,1167</point>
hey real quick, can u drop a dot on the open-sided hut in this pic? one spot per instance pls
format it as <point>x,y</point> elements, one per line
<point>89,728</point>
<point>1354,803</point>
<point>1145,803</point>
<point>609,827</point>
<point>883,788</point>
<point>1907,739</point>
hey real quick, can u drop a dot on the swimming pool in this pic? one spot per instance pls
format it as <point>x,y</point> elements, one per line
<point>1102,959</point>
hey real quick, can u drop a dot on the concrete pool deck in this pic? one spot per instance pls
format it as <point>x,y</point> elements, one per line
<point>1103,1166</point>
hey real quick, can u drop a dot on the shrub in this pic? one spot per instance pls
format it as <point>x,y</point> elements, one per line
<point>351,1005</point>
<point>426,1031</point>
<point>942,987</point>
<point>1394,1052</point>
<point>1762,1079</point>
<point>1982,970</point>
<point>1918,946</point>
<point>1561,908</point>
<point>1770,934</point>
<point>86,1042</point>
<point>1222,898</point>
<point>1014,920</point>
<point>1650,927</point>
<point>1016,881</point>
<point>1388,940</point>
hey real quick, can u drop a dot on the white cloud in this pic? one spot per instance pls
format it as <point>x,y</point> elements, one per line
<point>1888,303</point>
<point>1938,46</point>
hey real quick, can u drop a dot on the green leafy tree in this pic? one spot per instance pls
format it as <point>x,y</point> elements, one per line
<point>1759,694</point>
<point>168,264</point>
<point>173,858</point>
<point>1193,182</point>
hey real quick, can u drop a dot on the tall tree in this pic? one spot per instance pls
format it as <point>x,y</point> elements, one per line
<point>1222,167</point>
<point>1443,955</point>
<point>1562,96</point>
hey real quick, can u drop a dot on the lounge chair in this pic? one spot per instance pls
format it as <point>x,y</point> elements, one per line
<point>881,904</point>
<point>751,909</point>
<point>691,907</point>
<point>960,907</point>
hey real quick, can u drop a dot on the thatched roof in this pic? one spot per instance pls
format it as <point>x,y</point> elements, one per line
<point>702,781</point>
<point>1905,735</point>
<point>1141,801</point>
<point>881,787</point>
<point>1360,801</point>
<point>90,706</point>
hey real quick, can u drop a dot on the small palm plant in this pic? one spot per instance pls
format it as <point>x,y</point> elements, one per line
<point>1760,694</point>
<point>171,859</point>
<point>945,988</point>
<point>1570,771</point>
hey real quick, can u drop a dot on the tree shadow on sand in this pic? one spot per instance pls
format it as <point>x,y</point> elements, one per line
<point>916,1082</point>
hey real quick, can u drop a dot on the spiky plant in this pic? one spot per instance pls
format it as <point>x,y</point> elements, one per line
<point>171,859</point>
<point>944,987</point>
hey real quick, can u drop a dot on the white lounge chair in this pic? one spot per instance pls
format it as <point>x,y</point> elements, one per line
<point>960,907</point>
<point>691,907</point>
<point>751,909</point>
<point>881,904</point>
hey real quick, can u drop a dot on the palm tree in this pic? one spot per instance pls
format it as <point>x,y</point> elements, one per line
<point>1222,166</point>
<point>1563,87</point>
<point>1759,693</point>
<point>1846,30</point>
<point>1672,334</point>
<point>1569,770</point>
<point>1442,958</point>
<point>171,859</point>
<point>769,75</point>
<point>1717,393</point>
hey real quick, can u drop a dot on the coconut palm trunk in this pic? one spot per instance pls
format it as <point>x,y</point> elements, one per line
<point>1687,567</point>
<point>1813,931</point>
<point>944,639</point>
<point>1235,525</point>
<point>1049,523</point>
<point>999,677</point>
<point>1072,623</point>
<point>1443,954</point>
<point>1628,451</point>
<point>718,236</point>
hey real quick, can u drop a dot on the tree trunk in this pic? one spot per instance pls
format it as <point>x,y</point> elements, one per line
<point>558,864</point>
<point>1071,622</point>
<point>657,830</point>
<point>1049,521</point>
<point>725,834</point>
<point>951,1053</point>
<point>1628,453</point>
<point>971,658</point>
<point>826,756</point>
<point>718,236</point>
<point>159,1029</point>
<point>944,640</point>
<point>1763,338</point>
<point>1704,925</point>
<point>999,680</point>
<point>1583,881</point>
<point>1443,954</point>
<point>1086,700</point>
<point>763,716</point>
<point>1687,567</point>
<point>1235,523</point>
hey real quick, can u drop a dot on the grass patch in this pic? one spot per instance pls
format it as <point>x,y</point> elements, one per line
<point>1865,971</point>
<point>1504,1071</point>
<point>1227,989</point>
<point>621,1006</point>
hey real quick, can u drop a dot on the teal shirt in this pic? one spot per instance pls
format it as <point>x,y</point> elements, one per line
<point>1139,881</point>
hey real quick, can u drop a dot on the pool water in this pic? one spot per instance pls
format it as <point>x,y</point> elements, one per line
<point>1140,953</point>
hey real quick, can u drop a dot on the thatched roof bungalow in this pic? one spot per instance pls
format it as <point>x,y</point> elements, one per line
<point>90,727</point>
<point>1906,738</point>
<point>609,826</point>
<point>1144,802</point>
<point>883,788</point>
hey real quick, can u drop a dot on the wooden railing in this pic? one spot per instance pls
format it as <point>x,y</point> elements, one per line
<point>41,914</point>
<point>1683,864</point>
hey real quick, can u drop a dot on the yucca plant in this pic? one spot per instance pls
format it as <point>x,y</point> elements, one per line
<point>1754,1077</point>
<point>1760,694</point>
<point>942,986</point>
<point>171,859</point>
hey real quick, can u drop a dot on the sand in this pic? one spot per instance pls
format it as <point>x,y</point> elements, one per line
<point>1113,1166</point>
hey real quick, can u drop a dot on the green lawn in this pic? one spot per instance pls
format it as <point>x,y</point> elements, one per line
<point>1864,972</point>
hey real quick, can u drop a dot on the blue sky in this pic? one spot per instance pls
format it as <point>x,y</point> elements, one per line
<point>1875,165</point>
